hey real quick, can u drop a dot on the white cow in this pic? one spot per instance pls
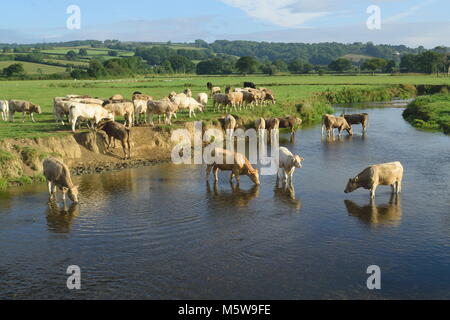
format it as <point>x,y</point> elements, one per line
<point>288,163</point>
<point>184,102</point>
<point>202,98</point>
<point>90,112</point>
<point>4,109</point>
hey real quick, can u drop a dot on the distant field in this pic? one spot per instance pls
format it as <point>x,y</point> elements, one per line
<point>289,90</point>
<point>73,63</point>
<point>90,51</point>
<point>356,57</point>
<point>33,68</point>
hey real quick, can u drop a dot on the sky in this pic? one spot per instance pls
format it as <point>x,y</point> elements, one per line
<point>409,22</point>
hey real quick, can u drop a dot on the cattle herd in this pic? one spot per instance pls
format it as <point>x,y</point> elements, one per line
<point>100,114</point>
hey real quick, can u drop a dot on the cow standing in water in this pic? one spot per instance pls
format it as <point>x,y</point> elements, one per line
<point>240,166</point>
<point>58,176</point>
<point>361,118</point>
<point>388,174</point>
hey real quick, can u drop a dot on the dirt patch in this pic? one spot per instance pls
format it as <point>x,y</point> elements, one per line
<point>86,153</point>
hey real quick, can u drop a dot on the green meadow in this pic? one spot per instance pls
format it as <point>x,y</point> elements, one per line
<point>294,95</point>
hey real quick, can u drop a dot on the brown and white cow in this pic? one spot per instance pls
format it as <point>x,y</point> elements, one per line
<point>387,174</point>
<point>240,166</point>
<point>330,122</point>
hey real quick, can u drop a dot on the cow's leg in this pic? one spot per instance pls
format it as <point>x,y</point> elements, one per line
<point>216,174</point>
<point>232,176</point>
<point>11,116</point>
<point>208,171</point>
<point>32,117</point>
<point>23,117</point>
<point>74,123</point>
<point>373,192</point>
<point>50,189</point>
<point>399,186</point>
<point>236,174</point>
<point>64,196</point>
<point>291,176</point>
<point>124,148</point>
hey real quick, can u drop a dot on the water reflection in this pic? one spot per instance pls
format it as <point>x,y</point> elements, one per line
<point>236,198</point>
<point>286,195</point>
<point>377,215</point>
<point>60,219</point>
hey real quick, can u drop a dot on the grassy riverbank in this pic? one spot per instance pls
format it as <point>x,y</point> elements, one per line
<point>307,97</point>
<point>430,113</point>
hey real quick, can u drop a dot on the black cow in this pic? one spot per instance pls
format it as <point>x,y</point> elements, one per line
<point>249,85</point>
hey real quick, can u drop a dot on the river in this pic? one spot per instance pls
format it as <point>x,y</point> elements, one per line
<point>163,233</point>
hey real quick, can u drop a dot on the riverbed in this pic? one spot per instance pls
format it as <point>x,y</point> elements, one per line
<point>162,232</point>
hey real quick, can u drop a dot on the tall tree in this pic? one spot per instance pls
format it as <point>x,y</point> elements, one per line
<point>247,64</point>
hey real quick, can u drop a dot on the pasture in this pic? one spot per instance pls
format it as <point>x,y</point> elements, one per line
<point>289,91</point>
<point>34,68</point>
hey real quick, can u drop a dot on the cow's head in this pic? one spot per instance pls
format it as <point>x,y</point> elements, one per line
<point>36,108</point>
<point>73,194</point>
<point>297,161</point>
<point>352,185</point>
<point>172,95</point>
<point>350,130</point>
<point>254,176</point>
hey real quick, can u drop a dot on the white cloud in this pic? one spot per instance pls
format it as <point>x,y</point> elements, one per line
<point>411,11</point>
<point>282,13</point>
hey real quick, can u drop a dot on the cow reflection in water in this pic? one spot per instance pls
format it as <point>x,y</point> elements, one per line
<point>285,193</point>
<point>60,219</point>
<point>385,214</point>
<point>236,198</point>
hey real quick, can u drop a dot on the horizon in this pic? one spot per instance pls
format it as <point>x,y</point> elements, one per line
<point>409,23</point>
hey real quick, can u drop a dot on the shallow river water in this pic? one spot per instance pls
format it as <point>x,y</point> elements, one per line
<point>164,233</point>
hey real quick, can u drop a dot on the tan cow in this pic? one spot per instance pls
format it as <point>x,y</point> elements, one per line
<point>241,166</point>
<point>24,107</point>
<point>162,107</point>
<point>121,108</point>
<point>387,174</point>
<point>330,122</point>
<point>58,176</point>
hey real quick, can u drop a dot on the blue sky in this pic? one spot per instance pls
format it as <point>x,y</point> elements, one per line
<point>410,22</point>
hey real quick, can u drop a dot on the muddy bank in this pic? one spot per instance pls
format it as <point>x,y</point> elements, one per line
<point>84,152</point>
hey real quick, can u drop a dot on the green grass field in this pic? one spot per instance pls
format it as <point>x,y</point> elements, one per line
<point>289,91</point>
<point>33,68</point>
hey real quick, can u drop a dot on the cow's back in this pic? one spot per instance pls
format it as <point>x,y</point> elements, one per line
<point>53,169</point>
<point>19,105</point>
<point>388,173</point>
